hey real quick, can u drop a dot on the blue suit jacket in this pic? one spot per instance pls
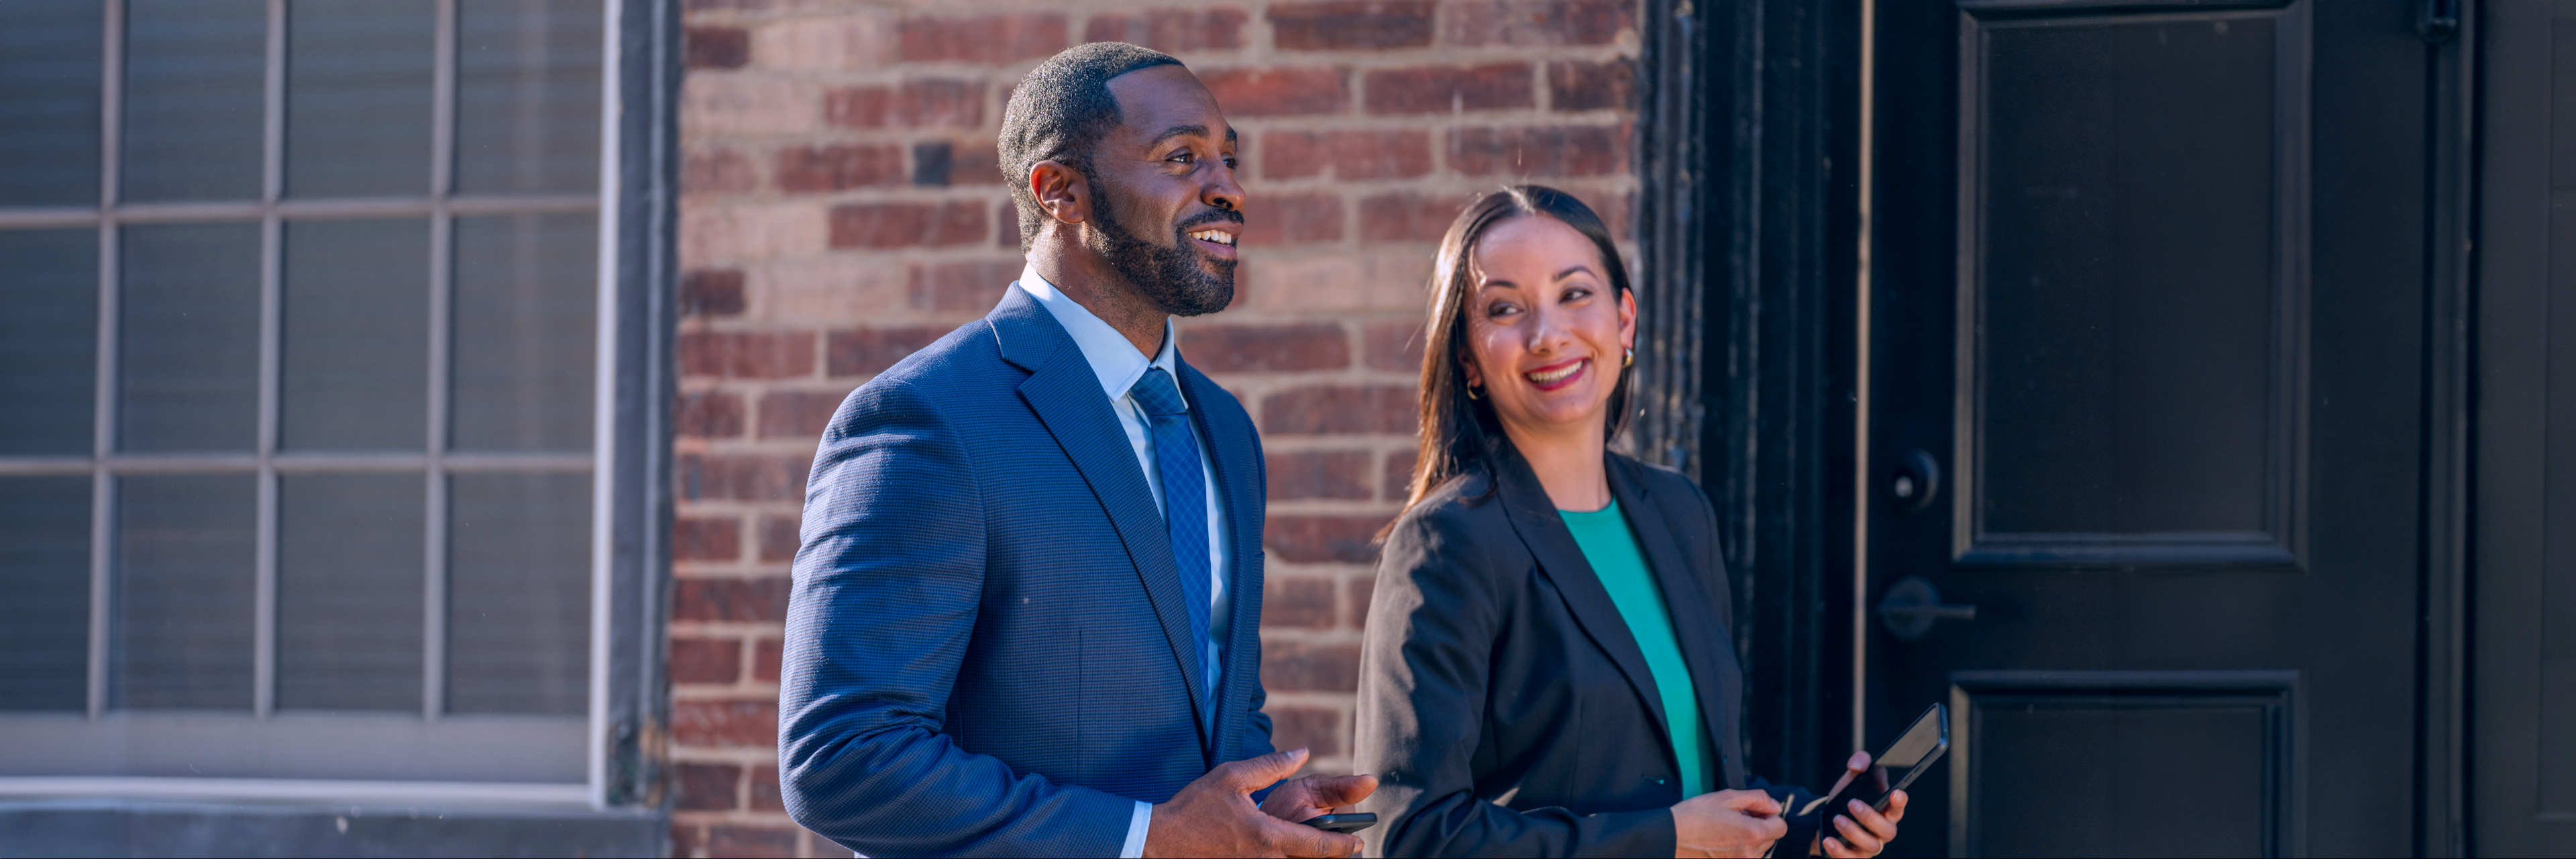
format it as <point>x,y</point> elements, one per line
<point>987,649</point>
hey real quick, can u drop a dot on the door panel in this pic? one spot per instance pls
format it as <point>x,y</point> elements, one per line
<point>2150,279</point>
<point>2523,764</point>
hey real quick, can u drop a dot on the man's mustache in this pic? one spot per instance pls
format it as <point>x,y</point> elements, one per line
<point>1212,216</point>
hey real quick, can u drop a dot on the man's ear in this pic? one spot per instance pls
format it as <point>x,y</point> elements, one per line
<point>1063,193</point>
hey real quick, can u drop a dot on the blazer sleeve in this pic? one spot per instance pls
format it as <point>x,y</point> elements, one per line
<point>1425,664</point>
<point>887,583</point>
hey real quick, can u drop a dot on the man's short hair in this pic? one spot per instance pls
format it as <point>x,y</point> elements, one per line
<point>1059,112</point>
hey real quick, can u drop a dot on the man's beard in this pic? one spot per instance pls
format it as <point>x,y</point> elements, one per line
<point>1170,276</point>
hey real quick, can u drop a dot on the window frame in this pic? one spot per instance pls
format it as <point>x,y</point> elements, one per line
<point>628,462</point>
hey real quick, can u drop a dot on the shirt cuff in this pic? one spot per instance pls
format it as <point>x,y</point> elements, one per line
<point>1137,823</point>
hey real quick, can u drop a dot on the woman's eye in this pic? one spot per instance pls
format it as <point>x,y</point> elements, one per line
<point>1578,293</point>
<point>1501,309</point>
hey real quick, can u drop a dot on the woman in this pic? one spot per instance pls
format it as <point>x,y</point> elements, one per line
<point>1546,608</point>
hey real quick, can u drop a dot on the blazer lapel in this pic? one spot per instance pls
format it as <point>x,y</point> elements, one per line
<point>1238,483</point>
<point>1706,642</point>
<point>1561,560</point>
<point>1066,396</point>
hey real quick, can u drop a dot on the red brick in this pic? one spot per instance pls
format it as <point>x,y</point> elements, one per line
<point>1446,89</point>
<point>953,287</point>
<point>1553,150</point>
<point>717,47</point>
<point>722,724</point>
<point>897,225</point>
<point>1297,601</point>
<point>1407,217</point>
<point>1397,483</point>
<point>1394,346</point>
<point>797,414</point>
<point>730,599</point>
<point>1291,219</point>
<point>686,838</point>
<point>750,841</point>
<point>715,415</point>
<point>870,350</point>
<point>705,660</point>
<point>764,789</point>
<point>718,173</point>
<point>1333,409</point>
<point>706,538</point>
<point>1335,25</point>
<point>1170,30</point>
<point>1362,589</point>
<point>1300,667</point>
<point>915,104</point>
<point>747,355</point>
<point>1315,729</point>
<point>1372,154</point>
<point>1537,22</point>
<point>1580,85</point>
<point>743,477</point>
<point>809,169</point>
<point>978,162</point>
<point>778,538</point>
<point>1266,348</point>
<point>988,39</point>
<point>1319,474</point>
<point>1324,539</point>
<point>711,292</point>
<point>706,787</point>
<point>765,656</point>
<point>1272,91</point>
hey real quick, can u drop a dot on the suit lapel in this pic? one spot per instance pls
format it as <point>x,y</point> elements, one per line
<point>1561,560</point>
<point>1238,483</point>
<point>1066,396</point>
<point>1705,643</point>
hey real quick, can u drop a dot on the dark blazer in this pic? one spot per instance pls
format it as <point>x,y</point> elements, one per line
<point>1503,703</point>
<point>987,651</point>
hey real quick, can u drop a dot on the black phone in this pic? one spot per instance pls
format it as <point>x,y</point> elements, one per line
<point>1343,823</point>
<point>1902,761</point>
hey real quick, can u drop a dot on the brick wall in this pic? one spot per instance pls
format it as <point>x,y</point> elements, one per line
<point>841,208</point>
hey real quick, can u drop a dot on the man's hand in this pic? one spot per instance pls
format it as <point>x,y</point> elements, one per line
<point>1214,816</point>
<point>1306,797</point>
<point>1727,823</point>
<point>1865,831</point>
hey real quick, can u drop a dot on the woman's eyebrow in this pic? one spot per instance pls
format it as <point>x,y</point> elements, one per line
<point>1570,272</point>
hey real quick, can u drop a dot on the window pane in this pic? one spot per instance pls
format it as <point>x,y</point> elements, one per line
<point>527,96</point>
<point>526,288</point>
<point>356,352</point>
<point>183,592</point>
<point>189,345</point>
<point>194,75</point>
<point>358,96</point>
<point>518,593</point>
<point>44,568</point>
<point>48,339</point>
<point>349,591</point>
<point>49,69</point>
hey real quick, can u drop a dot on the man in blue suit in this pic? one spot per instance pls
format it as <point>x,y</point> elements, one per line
<point>1027,609</point>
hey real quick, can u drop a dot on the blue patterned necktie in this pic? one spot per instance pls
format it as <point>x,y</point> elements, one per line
<point>1176,455</point>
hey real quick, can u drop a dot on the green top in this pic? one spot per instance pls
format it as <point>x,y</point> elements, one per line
<point>1611,548</point>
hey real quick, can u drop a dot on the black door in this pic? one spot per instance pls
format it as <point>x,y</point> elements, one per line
<point>2147,379</point>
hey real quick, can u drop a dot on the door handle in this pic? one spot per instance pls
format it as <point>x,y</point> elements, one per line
<point>1912,604</point>
<point>1916,481</point>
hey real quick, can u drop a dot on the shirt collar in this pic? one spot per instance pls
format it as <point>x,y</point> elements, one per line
<point>1113,357</point>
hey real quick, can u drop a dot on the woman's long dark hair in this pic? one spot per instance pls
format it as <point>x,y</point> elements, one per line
<point>1460,433</point>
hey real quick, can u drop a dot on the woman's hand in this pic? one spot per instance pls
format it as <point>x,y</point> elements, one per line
<point>1727,823</point>
<point>1866,831</point>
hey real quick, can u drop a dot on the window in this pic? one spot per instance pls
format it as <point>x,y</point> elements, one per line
<point>303,474</point>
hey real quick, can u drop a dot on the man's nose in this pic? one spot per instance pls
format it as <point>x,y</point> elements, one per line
<point>1221,190</point>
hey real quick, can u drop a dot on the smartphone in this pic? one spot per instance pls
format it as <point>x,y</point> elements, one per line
<point>1901,763</point>
<point>1343,823</point>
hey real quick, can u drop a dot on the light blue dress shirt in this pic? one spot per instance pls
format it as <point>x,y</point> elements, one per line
<point>1117,362</point>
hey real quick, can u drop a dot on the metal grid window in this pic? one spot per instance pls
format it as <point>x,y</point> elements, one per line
<point>301,391</point>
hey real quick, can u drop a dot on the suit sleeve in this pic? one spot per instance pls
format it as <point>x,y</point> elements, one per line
<point>1425,663</point>
<point>887,584</point>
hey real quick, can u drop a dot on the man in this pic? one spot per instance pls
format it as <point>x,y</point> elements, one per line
<point>1027,610</point>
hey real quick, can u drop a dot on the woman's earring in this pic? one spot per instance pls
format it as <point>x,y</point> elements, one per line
<point>1630,360</point>
<point>1471,393</point>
